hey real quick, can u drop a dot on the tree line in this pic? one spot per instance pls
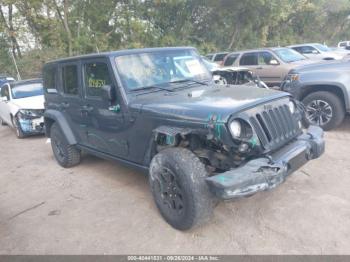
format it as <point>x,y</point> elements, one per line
<point>35,31</point>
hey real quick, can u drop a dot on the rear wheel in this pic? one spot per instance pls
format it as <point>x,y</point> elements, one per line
<point>66,155</point>
<point>177,181</point>
<point>323,109</point>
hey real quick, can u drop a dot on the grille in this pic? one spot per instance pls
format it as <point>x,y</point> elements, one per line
<point>275,126</point>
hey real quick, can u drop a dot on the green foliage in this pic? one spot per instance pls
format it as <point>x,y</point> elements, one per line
<point>48,29</point>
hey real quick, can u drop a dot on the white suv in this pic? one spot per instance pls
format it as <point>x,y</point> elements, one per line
<point>22,107</point>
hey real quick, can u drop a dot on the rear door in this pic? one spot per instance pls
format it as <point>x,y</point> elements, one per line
<point>250,60</point>
<point>71,100</point>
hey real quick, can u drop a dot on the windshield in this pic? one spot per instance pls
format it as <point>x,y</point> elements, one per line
<point>323,48</point>
<point>23,91</point>
<point>210,65</point>
<point>289,55</point>
<point>138,71</point>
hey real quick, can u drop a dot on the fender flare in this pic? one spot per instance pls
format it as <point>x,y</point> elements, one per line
<point>58,117</point>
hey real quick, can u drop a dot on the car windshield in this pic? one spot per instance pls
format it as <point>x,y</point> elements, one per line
<point>209,64</point>
<point>289,55</point>
<point>28,90</point>
<point>323,48</point>
<point>140,71</point>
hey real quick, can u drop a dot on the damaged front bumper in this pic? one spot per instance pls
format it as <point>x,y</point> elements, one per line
<point>268,172</point>
<point>31,126</point>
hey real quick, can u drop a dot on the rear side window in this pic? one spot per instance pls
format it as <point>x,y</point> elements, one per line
<point>96,76</point>
<point>70,79</point>
<point>249,59</point>
<point>220,57</point>
<point>230,60</point>
<point>50,80</point>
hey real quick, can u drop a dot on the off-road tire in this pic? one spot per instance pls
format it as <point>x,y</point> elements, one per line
<point>338,110</point>
<point>66,155</point>
<point>19,132</point>
<point>190,174</point>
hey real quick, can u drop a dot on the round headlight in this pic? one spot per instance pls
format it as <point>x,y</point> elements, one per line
<point>291,106</point>
<point>235,128</point>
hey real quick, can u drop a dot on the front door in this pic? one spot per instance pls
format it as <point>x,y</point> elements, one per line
<point>5,113</point>
<point>269,69</point>
<point>106,131</point>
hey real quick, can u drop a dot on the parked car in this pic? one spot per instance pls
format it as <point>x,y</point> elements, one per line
<point>22,107</point>
<point>270,64</point>
<point>5,79</point>
<point>230,75</point>
<point>325,91</point>
<point>217,57</point>
<point>200,142</point>
<point>344,44</point>
<point>318,51</point>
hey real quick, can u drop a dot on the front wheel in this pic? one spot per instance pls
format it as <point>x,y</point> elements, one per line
<point>324,109</point>
<point>2,122</point>
<point>177,181</point>
<point>18,129</point>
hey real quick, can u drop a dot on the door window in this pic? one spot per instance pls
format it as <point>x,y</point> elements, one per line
<point>307,50</point>
<point>265,58</point>
<point>96,76</point>
<point>230,60</point>
<point>50,80</point>
<point>249,59</point>
<point>70,79</point>
<point>5,92</point>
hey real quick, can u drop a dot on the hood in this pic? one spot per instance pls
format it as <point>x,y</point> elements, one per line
<point>302,62</point>
<point>33,102</point>
<point>328,66</point>
<point>197,104</point>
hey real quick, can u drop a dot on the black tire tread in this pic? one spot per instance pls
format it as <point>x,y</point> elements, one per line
<point>202,201</point>
<point>72,154</point>
<point>336,104</point>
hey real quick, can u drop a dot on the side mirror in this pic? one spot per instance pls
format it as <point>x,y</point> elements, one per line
<point>4,98</point>
<point>108,93</point>
<point>314,52</point>
<point>273,62</point>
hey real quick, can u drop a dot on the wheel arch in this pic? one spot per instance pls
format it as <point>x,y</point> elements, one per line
<point>53,116</point>
<point>172,136</point>
<point>334,89</point>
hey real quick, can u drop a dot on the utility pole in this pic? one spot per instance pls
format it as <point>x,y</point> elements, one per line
<point>14,61</point>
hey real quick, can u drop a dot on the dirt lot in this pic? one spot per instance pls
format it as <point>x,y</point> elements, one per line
<point>101,207</point>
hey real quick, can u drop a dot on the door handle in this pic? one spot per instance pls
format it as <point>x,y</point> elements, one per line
<point>259,67</point>
<point>87,108</point>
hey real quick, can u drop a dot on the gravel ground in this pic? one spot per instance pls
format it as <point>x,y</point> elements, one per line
<point>101,207</point>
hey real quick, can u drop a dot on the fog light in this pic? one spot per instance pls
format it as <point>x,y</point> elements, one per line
<point>243,147</point>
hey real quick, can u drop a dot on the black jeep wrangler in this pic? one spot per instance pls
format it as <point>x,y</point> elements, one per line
<point>158,110</point>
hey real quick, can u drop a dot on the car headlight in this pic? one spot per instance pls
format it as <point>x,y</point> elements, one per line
<point>293,77</point>
<point>30,113</point>
<point>235,128</point>
<point>291,106</point>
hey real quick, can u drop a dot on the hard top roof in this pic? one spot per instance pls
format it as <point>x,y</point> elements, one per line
<point>121,52</point>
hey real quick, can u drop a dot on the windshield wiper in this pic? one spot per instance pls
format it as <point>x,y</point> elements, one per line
<point>188,80</point>
<point>152,87</point>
